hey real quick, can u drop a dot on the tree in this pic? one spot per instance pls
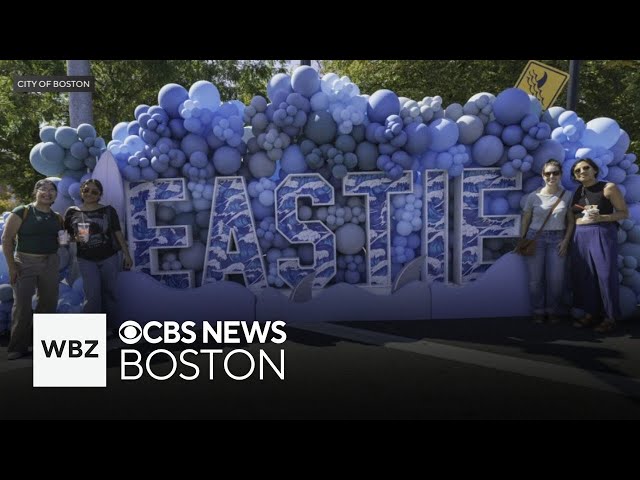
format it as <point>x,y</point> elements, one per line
<point>120,87</point>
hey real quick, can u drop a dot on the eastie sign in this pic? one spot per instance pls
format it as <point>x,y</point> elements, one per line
<point>232,247</point>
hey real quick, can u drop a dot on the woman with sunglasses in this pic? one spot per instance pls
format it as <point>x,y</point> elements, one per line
<point>96,229</point>
<point>547,266</point>
<point>30,245</point>
<point>596,207</point>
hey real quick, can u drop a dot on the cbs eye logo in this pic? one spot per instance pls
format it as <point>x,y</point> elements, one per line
<point>130,332</point>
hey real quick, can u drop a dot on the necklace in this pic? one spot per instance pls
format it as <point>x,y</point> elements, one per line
<point>41,216</point>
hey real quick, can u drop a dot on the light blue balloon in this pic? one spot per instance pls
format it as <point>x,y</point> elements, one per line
<point>86,130</point>
<point>66,136</point>
<point>601,132</point>
<point>119,132</point>
<point>632,184</point>
<point>48,134</point>
<point>548,150</point>
<point>206,93</point>
<point>51,152</point>
<point>193,257</point>
<point>134,143</point>
<point>551,116</point>
<point>279,82</point>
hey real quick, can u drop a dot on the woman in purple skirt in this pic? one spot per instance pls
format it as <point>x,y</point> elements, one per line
<point>597,207</point>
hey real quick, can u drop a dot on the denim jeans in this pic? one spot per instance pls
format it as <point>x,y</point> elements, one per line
<point>99,282</point>
<point>546,273</point>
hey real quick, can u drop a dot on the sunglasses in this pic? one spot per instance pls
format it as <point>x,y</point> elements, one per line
<point>552,173</point>
<point>586,168</point>
<point>91,190</point>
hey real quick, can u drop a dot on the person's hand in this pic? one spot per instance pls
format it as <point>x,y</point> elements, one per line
<point>128,263</point>
<point>563,246</point>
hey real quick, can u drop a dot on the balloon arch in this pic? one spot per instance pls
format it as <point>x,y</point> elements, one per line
<point>387,207</point>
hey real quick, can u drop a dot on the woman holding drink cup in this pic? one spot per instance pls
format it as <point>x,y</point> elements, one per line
<point>96,228</point>
<point>597,206</point>
<point>30,245</point>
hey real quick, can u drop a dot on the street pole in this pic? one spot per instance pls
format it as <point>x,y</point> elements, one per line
<point>572,93</point>
<point>80,103</point>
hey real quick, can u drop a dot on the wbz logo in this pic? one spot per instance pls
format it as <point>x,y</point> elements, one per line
<point>69,350</point>
<point>75,348</point>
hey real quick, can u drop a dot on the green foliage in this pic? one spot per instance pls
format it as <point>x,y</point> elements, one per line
<point>609,88</point>
<point>21,115</point>
<point>120,87</point>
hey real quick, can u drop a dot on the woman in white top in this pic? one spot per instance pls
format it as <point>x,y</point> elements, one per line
<point>547,266</point>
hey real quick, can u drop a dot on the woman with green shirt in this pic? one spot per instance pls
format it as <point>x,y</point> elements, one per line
<point>30,245</point>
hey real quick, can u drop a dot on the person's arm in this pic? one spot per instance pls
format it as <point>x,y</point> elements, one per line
<point>128,263</point>
<point>68,226</point>
<point>115,222</point>
<point>11,228</point>
<point>613,193</point>
<point>527,215</point>
<point>526,222</point>
<point>571,226</point>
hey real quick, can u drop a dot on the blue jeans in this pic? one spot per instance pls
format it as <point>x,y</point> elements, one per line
<point>99,282</point>
<point>546,273</point>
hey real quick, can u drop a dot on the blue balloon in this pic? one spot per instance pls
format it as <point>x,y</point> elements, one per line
<point>551,116</point>
<point>320,128</point>
<point>512,135</point>
<point>66,136</point>
<point>227,160</point>
<point>48,134</point>
<point>511,106</point>
<point>305,81</point>
<point>444,134</point>
<point>350,239</point>
<point>488,150</point>
<point>292,160</point>
<point>382,104</point>
<point>170,97</point>
<point>86,130</point>
<point>601,132</point>
<point>279,82</point>
<point>205,93</point>
<point>418,138</point>
<point>193,257</point>
<point>119,132</point>
<point>470,128</point>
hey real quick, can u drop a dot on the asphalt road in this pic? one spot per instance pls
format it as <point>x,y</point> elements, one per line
<point>454,369</point>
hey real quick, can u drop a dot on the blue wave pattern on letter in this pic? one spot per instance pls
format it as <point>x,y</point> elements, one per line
<point>231,215</point>
<point>474,225</point>
<point>145,238</point>
<point>436,215</point>
<point>313,231</point>
<point>377,187</point>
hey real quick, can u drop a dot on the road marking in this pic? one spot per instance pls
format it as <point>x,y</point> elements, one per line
<point>607,382</point>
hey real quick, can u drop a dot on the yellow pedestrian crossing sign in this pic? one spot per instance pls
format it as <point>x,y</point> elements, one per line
<point>543,82</point>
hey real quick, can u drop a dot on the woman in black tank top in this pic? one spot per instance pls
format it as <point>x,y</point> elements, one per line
<point>596,206</point>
